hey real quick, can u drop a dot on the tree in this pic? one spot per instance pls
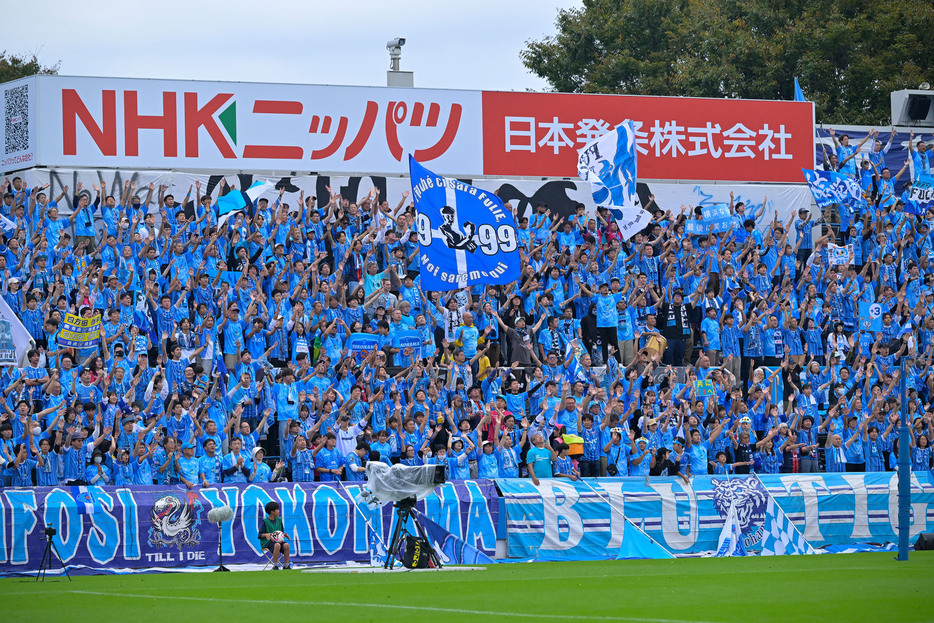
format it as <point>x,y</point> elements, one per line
<point>13,67</point>
<point>848,56</point>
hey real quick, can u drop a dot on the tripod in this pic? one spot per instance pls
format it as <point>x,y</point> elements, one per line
<point>46,562</point>
<point>404,512</point>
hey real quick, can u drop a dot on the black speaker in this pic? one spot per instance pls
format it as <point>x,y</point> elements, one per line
<point>918,107</point>
<point>925,541</point>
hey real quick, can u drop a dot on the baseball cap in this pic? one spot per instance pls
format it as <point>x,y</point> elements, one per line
<point>744,420</point>
<point>188,445</point>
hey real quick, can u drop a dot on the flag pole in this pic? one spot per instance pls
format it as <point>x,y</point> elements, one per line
<point>904,465</point>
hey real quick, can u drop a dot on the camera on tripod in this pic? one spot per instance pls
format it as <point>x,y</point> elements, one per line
<point>404,485</point>
<point>46,563</point>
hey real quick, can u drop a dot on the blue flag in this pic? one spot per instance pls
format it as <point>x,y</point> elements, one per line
<point>870,317</point>
<point>731,536</point>
<point>465,234</point>
<point>231,202</point>
<point>450,549</point>
<point>360,345</point>
<point>799,94</point>
<point>921,197</point>
<point>84,499</point>
<point>829,188</point>
<point>609,164</point>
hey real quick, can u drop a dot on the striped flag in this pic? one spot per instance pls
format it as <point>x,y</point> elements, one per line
<point>85,501</point>
<point>731,537</point>
<point>573,372</point>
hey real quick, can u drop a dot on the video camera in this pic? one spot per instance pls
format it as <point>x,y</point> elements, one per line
<point>400,482</point>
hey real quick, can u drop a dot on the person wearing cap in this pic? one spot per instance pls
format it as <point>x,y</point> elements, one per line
<point>617,451</point>
<point>97,473</point>
<point>607,316</point>
<point>261,472</point>
<point>188,466</point>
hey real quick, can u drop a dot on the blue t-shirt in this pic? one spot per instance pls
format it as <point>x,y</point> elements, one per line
<point>539,459</point>
<point>711,327</point>
<point>607,314</point>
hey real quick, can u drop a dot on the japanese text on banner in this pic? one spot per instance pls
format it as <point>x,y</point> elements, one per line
<point>80,332</point>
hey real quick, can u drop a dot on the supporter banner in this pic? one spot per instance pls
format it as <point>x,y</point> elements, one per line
<point>15,340</point>
<point>676,137</point>
<point>870,316</point>
<point>144,527</point>
<point>561,196</point>
<point>829,188</point>
<point>410,348</point>
<point>921,197</point>
<point>567,519</point>
<point>840,255</point>
<point>362,344</point>
<point>465,235</point>
<point>78,332</point>
<point>894,158</point>
<point>175,124</point>
<point>714,219</point>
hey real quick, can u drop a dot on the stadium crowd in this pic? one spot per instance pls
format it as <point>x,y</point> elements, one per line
<point>224,352</point>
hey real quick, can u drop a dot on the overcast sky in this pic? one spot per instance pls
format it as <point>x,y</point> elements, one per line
<point>465,45</point>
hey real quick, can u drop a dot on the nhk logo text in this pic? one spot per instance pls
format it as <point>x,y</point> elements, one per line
<point>188,112</point>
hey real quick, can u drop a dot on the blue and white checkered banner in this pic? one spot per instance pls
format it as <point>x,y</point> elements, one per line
<point>921,197</point>
<point>780,537</point>
<point>465,234</point>
<point>566,520</point>
<point>829,188</point>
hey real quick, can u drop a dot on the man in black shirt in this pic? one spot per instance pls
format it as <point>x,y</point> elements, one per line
<point>674,317</point>
<point>663,466</point>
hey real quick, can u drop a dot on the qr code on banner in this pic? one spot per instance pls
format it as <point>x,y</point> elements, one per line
<point>16,117</point>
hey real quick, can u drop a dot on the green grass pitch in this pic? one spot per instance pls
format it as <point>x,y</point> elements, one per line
<point>850,588</point>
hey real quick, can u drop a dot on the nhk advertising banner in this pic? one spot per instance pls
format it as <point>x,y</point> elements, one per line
<point>79,332</point>
<point>62,121</point>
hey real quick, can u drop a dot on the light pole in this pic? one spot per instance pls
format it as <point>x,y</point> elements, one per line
<point>904,464</point>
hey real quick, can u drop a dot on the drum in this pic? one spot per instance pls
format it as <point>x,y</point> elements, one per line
<point>656,345</point>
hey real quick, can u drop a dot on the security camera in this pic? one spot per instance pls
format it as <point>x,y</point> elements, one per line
<point>395,52</point>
